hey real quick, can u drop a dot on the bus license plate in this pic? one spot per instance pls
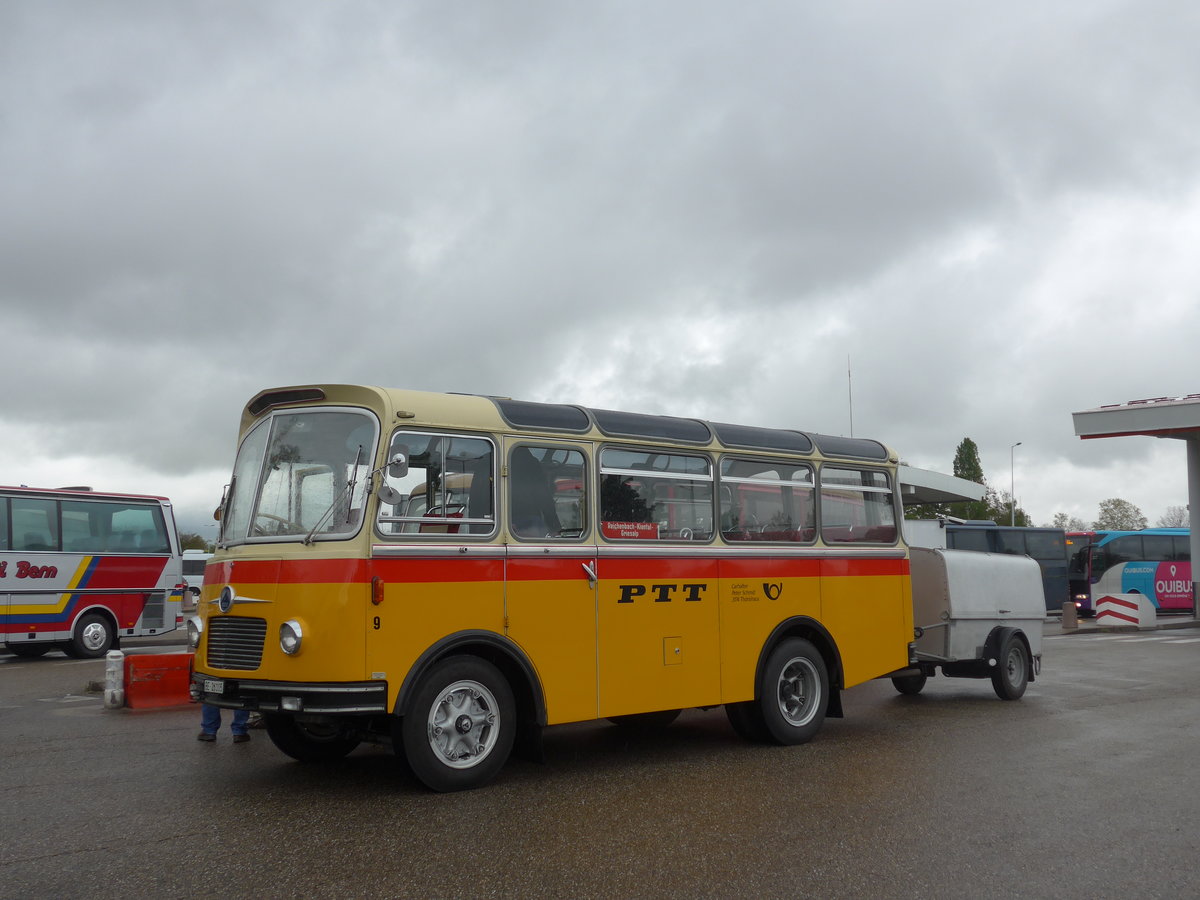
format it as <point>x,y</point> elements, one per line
<point>214,686</point>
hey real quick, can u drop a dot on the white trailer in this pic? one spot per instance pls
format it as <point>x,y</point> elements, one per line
<point>975,615</point>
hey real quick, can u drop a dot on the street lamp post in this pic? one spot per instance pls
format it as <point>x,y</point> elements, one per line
<point>1012,482</point>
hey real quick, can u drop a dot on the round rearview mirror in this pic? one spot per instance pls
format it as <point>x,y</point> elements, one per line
<point>398,464</point>
<point>389,495</point>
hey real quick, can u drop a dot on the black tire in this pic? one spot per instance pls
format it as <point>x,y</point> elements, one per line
<point>460,726</point>
<point>1010,677</point>
<point>647,720</point>
<point>747,721</point>
<point>910,684</point>
<point>794,692</point>
<point>93,637</point>
<point>309,742</point>
<point>29,651</point>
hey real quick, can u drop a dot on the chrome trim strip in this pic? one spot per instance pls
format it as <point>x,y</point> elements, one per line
<point>739,552</point>
<point>282,688</point>
<point>558,551</point>
<point>580,551</point>
<point>438,551</point>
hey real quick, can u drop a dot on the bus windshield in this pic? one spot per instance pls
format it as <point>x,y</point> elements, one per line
<point>301,473</point>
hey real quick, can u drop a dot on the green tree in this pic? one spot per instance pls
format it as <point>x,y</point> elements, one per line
<point>1174,517</point>
<point>968,467</point>
<point>1068,523</point>
<point>1000,510</point>
<point>1119,515</point>
<point>190,541</point>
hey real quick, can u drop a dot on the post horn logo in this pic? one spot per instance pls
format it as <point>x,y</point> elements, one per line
<point>772,590</point>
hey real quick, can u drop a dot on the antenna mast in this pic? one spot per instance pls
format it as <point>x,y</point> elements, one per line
<point>850,394</point>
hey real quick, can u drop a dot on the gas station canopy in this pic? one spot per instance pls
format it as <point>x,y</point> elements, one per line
<point>1172,417</point>
<point>1164,417</point>
<point>927,486</point>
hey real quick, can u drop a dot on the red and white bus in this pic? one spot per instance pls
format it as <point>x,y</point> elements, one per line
<point>79,570</point>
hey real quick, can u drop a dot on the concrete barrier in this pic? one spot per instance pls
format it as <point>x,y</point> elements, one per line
<point>114,679</point>
<point>1126,611</point>
<point>158,679</point>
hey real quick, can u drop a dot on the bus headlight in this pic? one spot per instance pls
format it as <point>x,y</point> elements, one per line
<point>290,637</point>
<point>194,629</point>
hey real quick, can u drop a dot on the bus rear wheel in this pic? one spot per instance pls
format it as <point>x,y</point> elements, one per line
<point>460,726</point>
<point>794,692</point>
<point>93,637</point>
<point>309,742</point>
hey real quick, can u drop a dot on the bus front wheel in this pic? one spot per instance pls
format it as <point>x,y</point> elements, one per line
<point>93,637</point>
<point>460,725</point>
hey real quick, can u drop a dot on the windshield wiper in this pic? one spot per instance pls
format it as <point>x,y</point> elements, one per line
<point>348,489</point>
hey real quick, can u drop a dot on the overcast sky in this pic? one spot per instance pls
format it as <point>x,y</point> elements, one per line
<point>987,216</point>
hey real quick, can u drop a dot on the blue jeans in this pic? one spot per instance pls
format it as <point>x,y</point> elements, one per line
<point>210,719</point>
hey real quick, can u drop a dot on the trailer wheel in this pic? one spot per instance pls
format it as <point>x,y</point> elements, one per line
<point>460,725</point>
<point>93,637</point>
<point>1010,677</point>
<point>910,684</point>
<point>309,742</point>
<point>794,692</point>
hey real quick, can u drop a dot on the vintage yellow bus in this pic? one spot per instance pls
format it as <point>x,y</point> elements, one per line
<point>451,573</point>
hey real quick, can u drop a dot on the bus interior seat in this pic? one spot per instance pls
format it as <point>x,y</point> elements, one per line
<point>34,541</point>
<point>479,499</point>
<point>124,540</point>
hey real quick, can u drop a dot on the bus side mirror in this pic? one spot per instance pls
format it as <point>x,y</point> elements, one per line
<point>398,465</point>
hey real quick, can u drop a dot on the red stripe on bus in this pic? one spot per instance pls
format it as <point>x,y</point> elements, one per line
<point>356,571</point>
<point>840,568</point>
<point>775,568</point>
<point>126,572</point>
<point>659,567</point>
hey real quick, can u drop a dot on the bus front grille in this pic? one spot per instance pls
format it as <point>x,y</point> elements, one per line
<point>235,642</point>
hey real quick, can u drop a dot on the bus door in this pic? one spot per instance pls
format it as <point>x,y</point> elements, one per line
<point>659,638</point>
<point>550,578</point>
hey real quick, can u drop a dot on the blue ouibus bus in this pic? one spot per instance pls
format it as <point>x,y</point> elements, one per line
<point>1154,562</point>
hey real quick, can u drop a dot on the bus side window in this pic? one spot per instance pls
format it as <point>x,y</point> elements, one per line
<point>544,492</point>
<point>857,505</point>
<point>34,524</point>
<point>1183,548</point>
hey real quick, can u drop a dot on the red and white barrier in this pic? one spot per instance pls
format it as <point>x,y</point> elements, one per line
<point>157,679</point>
<point>1126,611</point>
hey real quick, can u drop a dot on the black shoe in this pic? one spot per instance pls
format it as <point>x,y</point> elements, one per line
<point>241,738</point>
<point>205,736</point>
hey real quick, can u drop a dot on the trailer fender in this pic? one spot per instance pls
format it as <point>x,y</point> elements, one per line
<point>995,642</point>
